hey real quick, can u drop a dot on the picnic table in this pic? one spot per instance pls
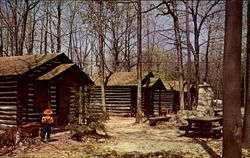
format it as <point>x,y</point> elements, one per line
<point>209,125</point>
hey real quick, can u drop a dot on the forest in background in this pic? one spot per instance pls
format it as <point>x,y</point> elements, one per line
<point>72,27</point>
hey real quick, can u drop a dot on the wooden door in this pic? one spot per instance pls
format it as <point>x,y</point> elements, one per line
<point>63,106</point>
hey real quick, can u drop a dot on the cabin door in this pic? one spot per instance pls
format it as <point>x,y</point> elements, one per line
<point>63,104</point>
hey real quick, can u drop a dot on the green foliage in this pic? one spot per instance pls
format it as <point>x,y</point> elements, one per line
<point>85,118</point>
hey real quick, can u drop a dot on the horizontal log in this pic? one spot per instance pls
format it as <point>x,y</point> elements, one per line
<point>30,100</point>
<point>118,105</point>
<point>118,108</point>
<point>117,99</point>
<point>31,94</point>
<point>4,98</point>
<point>5,126</point>
<point>8,103</point>
<point>8,88</point>
<point>111,93</point>
<point>2,112</point>
<point>8,93</point>
<point>8,82</point>
<point>110,97</point>
<point>34,119</point>
<point>30,110</point>
<point>8,122</point>
<point>53,105</point>
<point>121,114</point>
<point>6,117</point>
<point>120,111</point>
<point>36,114</point>
<point>31,89</point>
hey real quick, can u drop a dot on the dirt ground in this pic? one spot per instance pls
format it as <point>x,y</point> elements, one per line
<point>125,139</point>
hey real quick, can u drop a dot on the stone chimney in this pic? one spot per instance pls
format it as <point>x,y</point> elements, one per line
<point>205,100</point>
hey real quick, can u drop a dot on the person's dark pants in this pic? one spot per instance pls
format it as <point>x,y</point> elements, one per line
<point>45,131</point>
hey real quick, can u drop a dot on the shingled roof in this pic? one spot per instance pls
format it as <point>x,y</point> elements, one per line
<point>122,78</point>
<point>17,65</point>
<point>56,71</point>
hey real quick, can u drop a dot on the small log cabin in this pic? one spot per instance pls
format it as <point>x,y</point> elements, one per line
<point>121,93</point>
<point>29,84</point>
<point>170,97</point>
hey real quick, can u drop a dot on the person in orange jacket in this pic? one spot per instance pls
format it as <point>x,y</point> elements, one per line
<point>47,122</point>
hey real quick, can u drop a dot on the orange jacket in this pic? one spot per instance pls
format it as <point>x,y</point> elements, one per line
<point>47,120</point>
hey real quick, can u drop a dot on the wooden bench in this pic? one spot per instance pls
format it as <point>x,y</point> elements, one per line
<point>154,120</point>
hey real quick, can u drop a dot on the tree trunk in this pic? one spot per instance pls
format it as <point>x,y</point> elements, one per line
<point>51,35</point>
<point>139,66</point>
<point>101,51</point>
<point>1,42</point>
<point>189,99</point>
<point>207,52</point>
<point>46,27</point>
<point>179,54</point>
<point>232,123</point>
<point>31,45</point>
<point>24,24</point>
<point>246,127</point>
<point>58,28</point>
<point>41,36</point>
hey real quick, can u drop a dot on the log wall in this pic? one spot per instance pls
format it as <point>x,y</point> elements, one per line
<point>118,100</point>
<point>8,102</point>
<point>166,98</point>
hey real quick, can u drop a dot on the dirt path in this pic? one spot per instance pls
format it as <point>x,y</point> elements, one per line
<point>127,140</point>
<point>163,137</point>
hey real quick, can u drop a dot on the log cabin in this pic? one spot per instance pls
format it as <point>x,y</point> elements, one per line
<point>171,95</point>
<point>121,93</point>
<point>29,84</point>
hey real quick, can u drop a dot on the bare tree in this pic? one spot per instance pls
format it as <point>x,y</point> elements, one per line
<point>17,24</point>
<point>189,99</point>
<point>198,20</point>
<point>101,53</point>
<point>139,66</point>
<point>58,27</point>
<point>173,12</point>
